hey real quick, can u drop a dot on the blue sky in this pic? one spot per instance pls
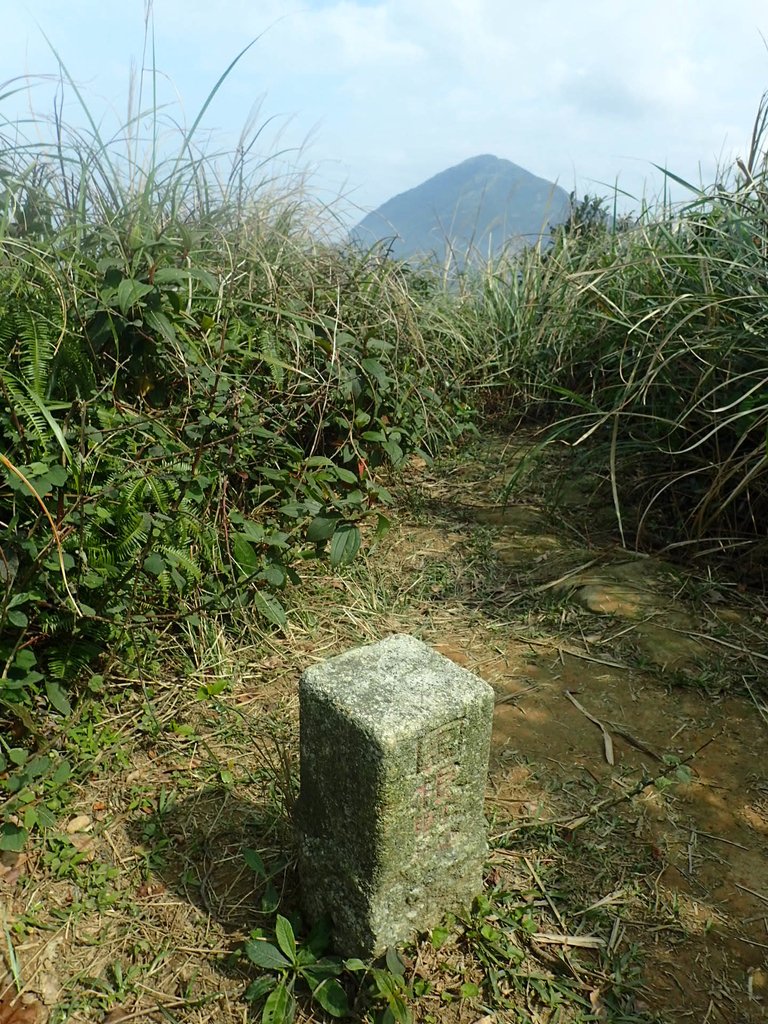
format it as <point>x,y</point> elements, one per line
<point>381,94</point>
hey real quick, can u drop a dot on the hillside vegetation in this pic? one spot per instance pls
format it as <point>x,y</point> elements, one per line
<point>198,398</point>
<point>645,341</point>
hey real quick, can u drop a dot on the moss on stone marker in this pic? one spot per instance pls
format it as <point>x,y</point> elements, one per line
<point>395,741</point>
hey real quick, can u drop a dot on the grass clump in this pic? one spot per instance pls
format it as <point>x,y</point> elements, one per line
<point>651,333</point>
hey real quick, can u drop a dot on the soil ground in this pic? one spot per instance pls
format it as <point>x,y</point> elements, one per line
<point>611,669</point>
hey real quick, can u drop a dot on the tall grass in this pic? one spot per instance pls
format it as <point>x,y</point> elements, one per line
<point>651,342</point>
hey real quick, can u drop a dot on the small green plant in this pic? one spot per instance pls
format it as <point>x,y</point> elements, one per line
<point>381,991</point>
<point>288,966</point>
<point>386,988</point>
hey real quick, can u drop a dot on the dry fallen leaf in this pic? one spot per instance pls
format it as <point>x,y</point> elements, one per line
<point>150,889</point>
<point>85,844</point>
<point>81,823</point>
<point>15,1009</point>
<point>11,866</point>
<point>598,1006</point>
<point>117,1015</point>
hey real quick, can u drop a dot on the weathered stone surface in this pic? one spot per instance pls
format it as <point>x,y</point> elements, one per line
<point>614,599</point>
<point>395,741</point>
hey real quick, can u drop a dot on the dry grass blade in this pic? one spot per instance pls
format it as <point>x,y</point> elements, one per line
<point>721,839</point>
<point>544,893</point>
<point>613,899</point>
<point>638,744</point>
<point>762,710</point>
<point>576,941</point>
<point>752,892</point>
<point>607,741</point>
<point>573,652</point>
<point>551,584</point>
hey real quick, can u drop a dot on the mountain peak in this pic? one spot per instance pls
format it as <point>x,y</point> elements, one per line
<point>477,206</point>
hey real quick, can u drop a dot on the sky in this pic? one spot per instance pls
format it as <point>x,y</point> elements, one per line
<point>375,96</point>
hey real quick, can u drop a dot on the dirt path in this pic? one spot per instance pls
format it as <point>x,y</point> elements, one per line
<point>574,629</point>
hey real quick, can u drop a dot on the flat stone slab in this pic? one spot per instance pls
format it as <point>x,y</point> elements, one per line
<point>395,740</point>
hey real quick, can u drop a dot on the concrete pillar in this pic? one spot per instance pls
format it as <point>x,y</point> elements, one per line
<point>395,741</point>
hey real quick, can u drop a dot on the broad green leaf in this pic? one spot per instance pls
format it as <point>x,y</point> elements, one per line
<point>374,369</point>
<point>270,899</point>
<point>382,526</point>
<point>58,698</point>
<point>394,964</point>
<point>57,475</point>
<point>322,528</point>
<point>315,971</point>
<point>244,554</point>
<point>400,1011</point>
<point>12,837</point>
<point>270,608</point>
<point>265,955</point>
<point>154,564</point>
<point>394,451</point>
<point>345,544</point>
<point>176,275</point>
<point>37,766</point>
<point>279,1007</point>
<point>62,773</point>
<point>259,988</point>
<point>346,475</point>
<point>253,531</point>
<point>355,964</point>
<point>285,937</point>
<point>129,291</point>
<point>380,345</point>
<point>159,322</point>
<point>44,818</point>
<point>332,998</point>
<point>255,863</point>
<point>274,574</point>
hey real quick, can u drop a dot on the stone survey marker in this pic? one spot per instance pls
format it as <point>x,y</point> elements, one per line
<point>395,741</point>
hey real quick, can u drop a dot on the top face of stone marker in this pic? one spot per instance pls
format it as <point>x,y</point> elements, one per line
<point>399,685</point>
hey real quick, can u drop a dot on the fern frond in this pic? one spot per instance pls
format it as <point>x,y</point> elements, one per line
<point>28,412</point>
<point>74,658</point>
<point>132,537</point>
<point>272,357</point>
<point>101,557</point>
<point>183,560</point>
<point>36,346</point>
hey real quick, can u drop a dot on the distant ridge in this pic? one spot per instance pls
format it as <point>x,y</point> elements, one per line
<point>479,206</point>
